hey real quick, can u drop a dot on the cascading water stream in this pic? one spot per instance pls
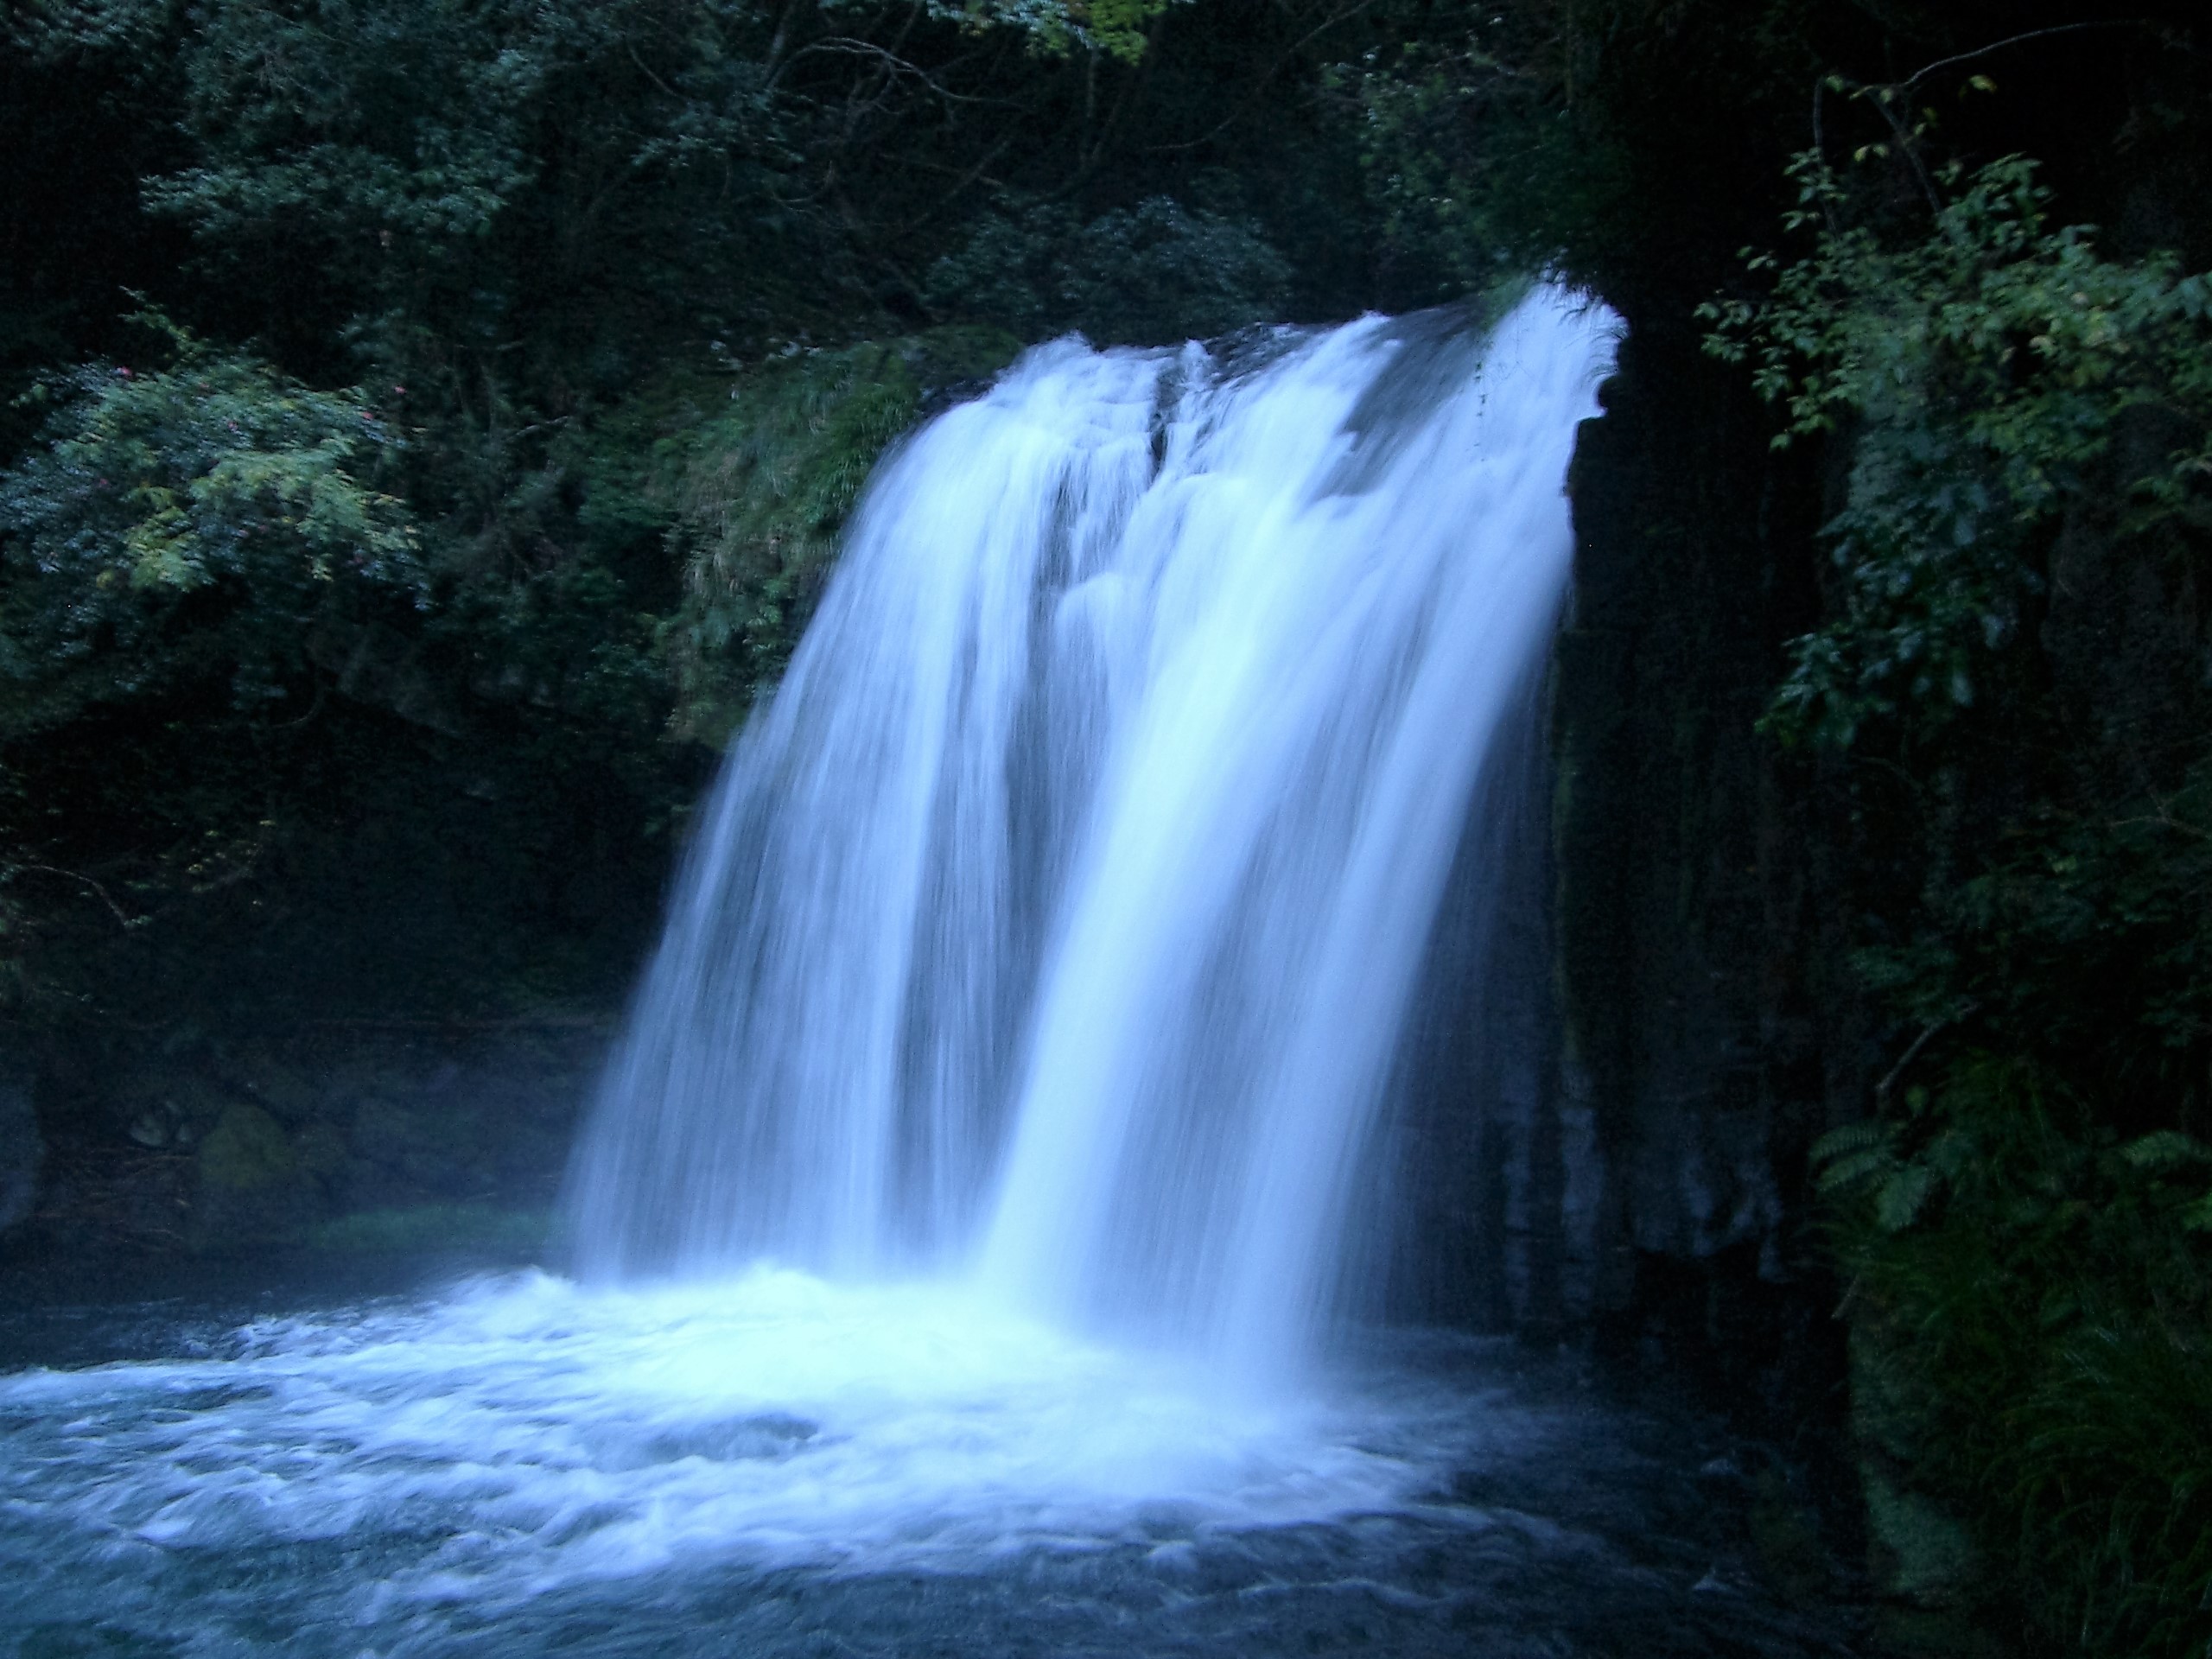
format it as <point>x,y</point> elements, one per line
<point>1042,970</point>
<point>1058,921</point>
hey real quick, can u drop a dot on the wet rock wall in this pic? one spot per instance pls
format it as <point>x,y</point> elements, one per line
<point>1637,1109</point>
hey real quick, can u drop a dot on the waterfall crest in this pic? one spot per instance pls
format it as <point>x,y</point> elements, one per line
<point>1058,918</point>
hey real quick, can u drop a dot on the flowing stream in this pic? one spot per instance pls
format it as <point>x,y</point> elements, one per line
<point>974,1244</point>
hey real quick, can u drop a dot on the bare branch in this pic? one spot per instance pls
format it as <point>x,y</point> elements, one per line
<point>120,916</point>
<point>1252,96</point>
<point>1921,75</point>
<point>1882,1089</point>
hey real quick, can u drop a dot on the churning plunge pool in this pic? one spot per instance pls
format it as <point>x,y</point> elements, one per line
<point>771,1465</point>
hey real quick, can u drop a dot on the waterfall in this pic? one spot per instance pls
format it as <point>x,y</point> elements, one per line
<point>1056,922</point>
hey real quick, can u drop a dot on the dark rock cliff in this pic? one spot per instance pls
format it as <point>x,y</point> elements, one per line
<point>1636,1046</point>
<point>1709,1034</point>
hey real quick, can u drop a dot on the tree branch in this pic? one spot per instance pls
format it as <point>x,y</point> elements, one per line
<point>105,897</point>
<point>1921,75</point>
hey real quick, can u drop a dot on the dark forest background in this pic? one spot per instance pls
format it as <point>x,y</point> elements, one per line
<point>424,426</point>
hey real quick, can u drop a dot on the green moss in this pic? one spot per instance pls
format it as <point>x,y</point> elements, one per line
<point>471,1229</point>
<point>253,1191</point>
<point>765,487</point>
<point>322,1149</point>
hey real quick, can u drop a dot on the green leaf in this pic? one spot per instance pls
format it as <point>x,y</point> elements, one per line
<point>2168,1149</point>
<point>1903,1198</point>
<point>1852,1137</point>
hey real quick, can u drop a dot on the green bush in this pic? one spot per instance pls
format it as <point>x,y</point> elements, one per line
<point>2032,1297</point>
<point>188,521</point>
<point>2029,1234</point>
<point>1984,371</point>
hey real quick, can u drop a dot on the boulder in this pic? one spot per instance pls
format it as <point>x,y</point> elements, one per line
<point>254,1188</point>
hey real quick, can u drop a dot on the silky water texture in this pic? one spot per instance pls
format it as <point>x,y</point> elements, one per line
<point>1055,927</point>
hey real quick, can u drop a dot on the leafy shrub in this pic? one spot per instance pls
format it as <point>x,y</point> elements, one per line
<point>2029,1236</point>
<point>2032,1295</point>
<point>192,521</point>
<point>1984,371</point>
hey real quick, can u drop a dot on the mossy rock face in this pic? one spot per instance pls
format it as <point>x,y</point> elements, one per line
<point>254,1189</point>
<point>382,1128</point>
<point>321,1150</point>
<point>287,1094</point>
<point>765,488</point>
<point>433,1146</point>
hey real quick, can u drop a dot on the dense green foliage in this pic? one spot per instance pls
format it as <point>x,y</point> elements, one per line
<point>1987,371</point>
<point>2033,1294</point>
<point>526,360</point>
<point>2011,666</point>
<point>207,518</point>
<point>763,488</point>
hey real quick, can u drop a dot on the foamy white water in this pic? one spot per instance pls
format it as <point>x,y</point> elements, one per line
<point>777,1466</point>
<point>532,1433</point>
<point>1055,927</point>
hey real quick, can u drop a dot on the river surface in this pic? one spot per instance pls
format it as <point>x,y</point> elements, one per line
<point>770,1466</point>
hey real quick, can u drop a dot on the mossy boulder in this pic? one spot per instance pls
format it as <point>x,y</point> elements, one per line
<point>247,1150</point>
<point>254,1188</point>
<point>1921,1553</point>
